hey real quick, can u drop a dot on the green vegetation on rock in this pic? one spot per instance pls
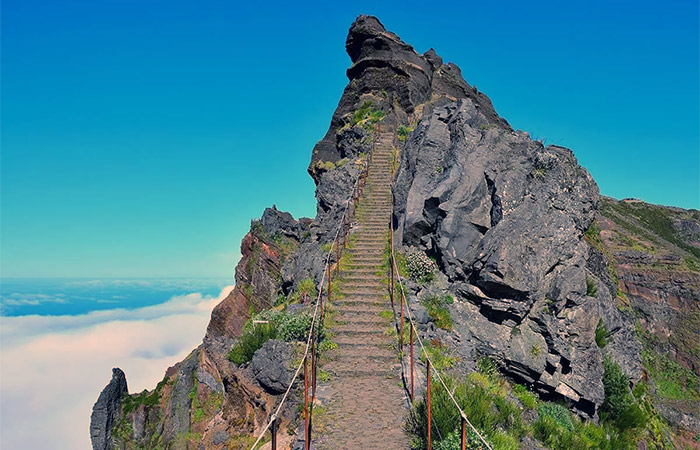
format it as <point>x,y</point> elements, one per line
<point>367,116</point>
<point>437,310</point>
<point>403,132</point>
<point>486,398</point>
<point>602,334</point>
<point>271,324</point>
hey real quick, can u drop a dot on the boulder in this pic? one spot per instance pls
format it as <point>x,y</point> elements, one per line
<point>270,366</point>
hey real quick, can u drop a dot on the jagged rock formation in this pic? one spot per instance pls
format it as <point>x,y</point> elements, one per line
<point>107,411</point>
<point>508,222</point>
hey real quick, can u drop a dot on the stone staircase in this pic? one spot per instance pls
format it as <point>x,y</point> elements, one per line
<point>367,405</point>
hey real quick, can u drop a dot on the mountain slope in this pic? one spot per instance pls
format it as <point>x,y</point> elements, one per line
<point>536,262</point>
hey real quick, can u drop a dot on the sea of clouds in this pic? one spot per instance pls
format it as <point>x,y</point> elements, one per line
<point>52,368</point>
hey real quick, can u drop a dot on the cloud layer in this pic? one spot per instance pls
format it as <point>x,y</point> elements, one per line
<point>52,368</point>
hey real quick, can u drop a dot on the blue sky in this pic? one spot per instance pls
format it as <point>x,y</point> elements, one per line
<point>140,138</point>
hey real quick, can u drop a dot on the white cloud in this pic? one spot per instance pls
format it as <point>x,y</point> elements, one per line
<point>16,299</point>
<point>52,368</point>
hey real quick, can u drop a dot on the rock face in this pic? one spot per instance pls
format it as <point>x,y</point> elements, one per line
<point>264,250</point>
<point>107,411</point>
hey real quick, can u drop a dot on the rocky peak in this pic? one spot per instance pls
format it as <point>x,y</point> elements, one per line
<point>107,411</point>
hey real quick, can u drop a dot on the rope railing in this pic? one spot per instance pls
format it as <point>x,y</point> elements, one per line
<point>430,366</point>
<point>311,349</point>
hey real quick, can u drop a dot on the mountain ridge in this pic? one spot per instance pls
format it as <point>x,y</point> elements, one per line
<point>506,219</point>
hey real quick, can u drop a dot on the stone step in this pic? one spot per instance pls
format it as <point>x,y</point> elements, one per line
<point>350,314</point>
<point>362,283</point>
<point>373,374</point>
<point>355,310</point>
<point>377,281</point>
<point>367,251</point>
<point>372,341</point>
<point>375,236</point>
<point>362,271</point>
<point>382,354</point>
<point>362,278</point>
<point>365,260</point>
<point>376,223</point>
<point>368,319</point>
<point>377,239</point>
<point>353,367</point>
<point>368,259</point>
<point>356,331</point>
<point>363,305</point>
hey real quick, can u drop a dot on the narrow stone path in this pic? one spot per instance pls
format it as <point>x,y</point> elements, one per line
<point>367,406</point>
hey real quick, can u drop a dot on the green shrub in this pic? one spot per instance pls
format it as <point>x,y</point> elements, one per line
<point>420,267</point>
<point>327,345</point>
<point>558,413</point>
<point>487,411</point>
<point>306,290</point>
<point>325,165</point>
<point>602,335</point>
<point>437,310</point>
<point>619,405</point>
<point>280,325</point>
<point>366,115</point>
<point>453,441</point>
<point>591,288</point>
<point>439,355</point>
<point>527,398</point>
<point>250,341</point>
<point>617,390</point>
<point>403,132</point>
<point>295,327</point>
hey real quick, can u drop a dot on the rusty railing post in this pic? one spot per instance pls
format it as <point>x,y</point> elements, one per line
<point>464,434</point>
<point>430,416</point>
<point>411,363</point>
<point>306,403</point>
<point>273,432</point>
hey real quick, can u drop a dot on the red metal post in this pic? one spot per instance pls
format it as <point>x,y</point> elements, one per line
<point>306,403</point>
<point>464,434</point>
<point>411,364</point>
<point>273,432</point>
<point>430,415</point>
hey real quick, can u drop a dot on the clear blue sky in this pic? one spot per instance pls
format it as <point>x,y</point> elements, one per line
<point>140,138</point>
